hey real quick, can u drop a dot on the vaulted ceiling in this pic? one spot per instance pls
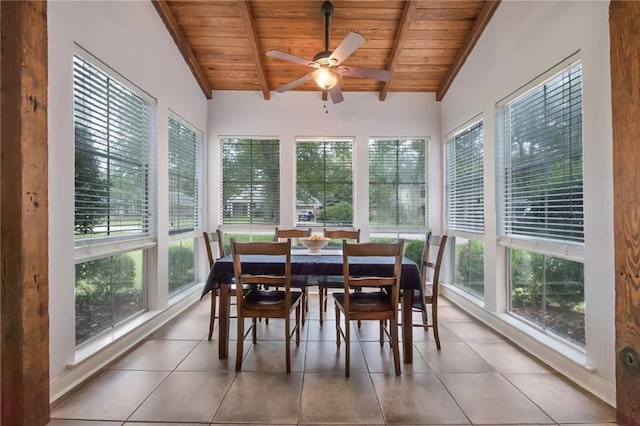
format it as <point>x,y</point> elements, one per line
<point>423,42</point>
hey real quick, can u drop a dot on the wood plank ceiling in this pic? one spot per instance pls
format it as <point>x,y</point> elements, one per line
<point>423,42</point>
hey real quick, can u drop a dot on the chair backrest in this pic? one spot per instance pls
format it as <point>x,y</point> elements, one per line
<point>355,280</point>
<point>281,275</point>
<point>292,233</point>
<point>430,267</point>
<point>209,238</point>
<point>345,234</point>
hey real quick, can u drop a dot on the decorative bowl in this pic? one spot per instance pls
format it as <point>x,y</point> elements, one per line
<point>314,244</point>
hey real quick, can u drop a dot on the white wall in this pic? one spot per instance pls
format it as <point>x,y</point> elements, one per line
<point>130,38</point>
<point>523,40</point>
<point>294,114</point>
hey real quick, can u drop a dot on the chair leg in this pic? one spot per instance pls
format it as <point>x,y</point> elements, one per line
<point>239,346</point>
<point>298,326</point>
<point>212,320</point>
<point>322,304</point>
<point>337,327</point>
<point>254,331</point>
<point>394,345</point>
<point>434,325</point>
<point>347,346</point>
<point>425,320</point>
<point>287,340</point>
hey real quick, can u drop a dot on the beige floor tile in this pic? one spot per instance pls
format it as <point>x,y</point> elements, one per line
<point>186,397</point>
<point>452,313</point>
<point>193,324</point>
<point>269,356</point>
<point>380,359</point>
<point>472,331</point>
<point>274,330</point>
<point>561,400</point>
<point>506,358</point>
<point>328,398</point>
<point>161,424</point>
<point>489,398</point>
<point>416,398</point>
<point>205,358</point>
<point>157,355</point>
<point>112,396</point>
<point>453,358</point>
<point>262,398</point>
<point>446,335</point>
<point>326,357</point>
<point>81,423</point>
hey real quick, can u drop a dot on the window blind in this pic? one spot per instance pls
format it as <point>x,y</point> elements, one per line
<point>250,181</point>
<point>540,139</point>
<point>185,171</point>
<point>324,179</point>
<point>397,184</point>
<point>464,180</point>
<point>112,136</point>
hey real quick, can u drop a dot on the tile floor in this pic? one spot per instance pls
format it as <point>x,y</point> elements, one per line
<point>175,378</point>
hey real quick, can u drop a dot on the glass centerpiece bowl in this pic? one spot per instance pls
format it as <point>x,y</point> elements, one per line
<point>314,243</point>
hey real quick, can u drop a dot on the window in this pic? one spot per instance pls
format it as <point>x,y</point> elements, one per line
<point>250,181</point>
<point>464,157</point>
<point>112,138</point>
<point>397,185</point>
<point>540,201</point>
<point>185,179</point>
<point>113,123</point>
<point>324,181</point>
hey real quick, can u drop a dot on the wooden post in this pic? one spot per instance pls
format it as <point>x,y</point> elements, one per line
<point>24,321</point>
<point>624,31</point>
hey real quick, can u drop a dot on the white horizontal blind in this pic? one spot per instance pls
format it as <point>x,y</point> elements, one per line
<point>540,141</point>
<point>397,184</point>
<point>250,181</point>
<point>324,178</point>
<point>112,137</point>
<point>464,180</point>
<point>185,175</point>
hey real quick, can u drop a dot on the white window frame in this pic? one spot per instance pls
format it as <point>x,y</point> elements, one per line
<point>569,250</point>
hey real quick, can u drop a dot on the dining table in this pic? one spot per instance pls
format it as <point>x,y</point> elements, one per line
<point>311,269</point>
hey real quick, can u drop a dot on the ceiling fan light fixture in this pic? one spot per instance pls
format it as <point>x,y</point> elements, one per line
<point>326,78</point>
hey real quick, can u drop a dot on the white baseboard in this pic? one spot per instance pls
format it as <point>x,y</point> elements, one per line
<point>566,360</point>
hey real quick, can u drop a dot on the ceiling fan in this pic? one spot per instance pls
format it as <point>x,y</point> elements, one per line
<point>327,63</point>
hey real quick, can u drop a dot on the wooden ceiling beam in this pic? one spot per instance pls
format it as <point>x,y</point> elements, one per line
<point>247,19</point>
<point>401,36</point>
<point>178,37</point>
<point>481,22</point>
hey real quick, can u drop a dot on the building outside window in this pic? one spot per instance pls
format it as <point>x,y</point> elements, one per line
<point>464,158</point>
<point>324,182</point>
<point>540,200</point>
<point>398,198</point>
<point>250,187</point>
<point>114,122</point>
<point>185,200</point>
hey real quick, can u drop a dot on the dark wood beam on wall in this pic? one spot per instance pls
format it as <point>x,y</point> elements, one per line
<point>178,37</point>
<point>483,19</point>
<point>24,322</point>
<point>247,19</point>
<point>407,16</point>
<point>625,107</point>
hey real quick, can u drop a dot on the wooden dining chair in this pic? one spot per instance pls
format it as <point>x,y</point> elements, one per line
<point>298,281</point>
<point>210,239</point>
<point>381,304</point>
<point>430,265</point>
<point>327,282</point>
<point>266,302</point>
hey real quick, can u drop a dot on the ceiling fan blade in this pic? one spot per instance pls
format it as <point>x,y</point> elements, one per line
<point>349,45</point>
<point>359,72</point>
<point>336,94</point>
<point>291,58</point>
<point>294,83</point>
